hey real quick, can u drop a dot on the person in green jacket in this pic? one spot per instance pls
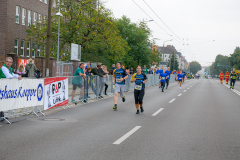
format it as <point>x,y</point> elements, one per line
<point>145,71</point>
<point>6,71</point>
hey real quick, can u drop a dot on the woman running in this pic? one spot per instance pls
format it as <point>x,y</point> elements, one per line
<point>180,78</point>
<point>139,90</point>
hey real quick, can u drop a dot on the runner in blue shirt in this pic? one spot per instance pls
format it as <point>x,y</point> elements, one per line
<point>168,79</point>
<point>180,78</point>
<point>163,77</point>
<point>159,72</point>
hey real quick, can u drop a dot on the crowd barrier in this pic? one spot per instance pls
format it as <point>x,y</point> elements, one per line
<point>26,96</point>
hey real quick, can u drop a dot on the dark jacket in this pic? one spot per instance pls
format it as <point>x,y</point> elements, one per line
<point>101,71</point>
<point>95,71</point>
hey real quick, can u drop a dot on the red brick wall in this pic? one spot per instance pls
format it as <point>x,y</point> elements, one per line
<point>3,26</point>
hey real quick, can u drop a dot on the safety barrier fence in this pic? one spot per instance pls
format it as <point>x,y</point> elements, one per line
<point>26,96</point>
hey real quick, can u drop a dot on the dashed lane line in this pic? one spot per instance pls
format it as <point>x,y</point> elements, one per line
<point>158,111</point>
<point>123,138</point>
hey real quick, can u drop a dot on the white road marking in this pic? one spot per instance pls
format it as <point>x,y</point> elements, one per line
<point>172,100</point>
<point>154,114</point>
<point>180,94</point>
<point>120,140</point>
<point>184,90</point>
<point>188,88</point>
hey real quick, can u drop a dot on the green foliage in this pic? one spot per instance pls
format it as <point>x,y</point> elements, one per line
<point>234,58</point>
<point>137,37</point>
<point>195,67</point>
<point>94,29</point>
<point>173,66</point>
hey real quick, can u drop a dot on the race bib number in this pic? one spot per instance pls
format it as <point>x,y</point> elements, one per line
<point>138,87</point>
<point>163,78</point>
<point>180,78</point>
<point>118,80</point>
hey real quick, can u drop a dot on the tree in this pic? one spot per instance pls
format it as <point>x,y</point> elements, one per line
<point>155,57</point>
<point>173,67</point>
<point>234,58</point>
<point>94,29</point>
<point>195,67</point>
<point>137,37</point>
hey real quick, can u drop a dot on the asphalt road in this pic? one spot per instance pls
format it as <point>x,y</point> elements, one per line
<point>198,122</point>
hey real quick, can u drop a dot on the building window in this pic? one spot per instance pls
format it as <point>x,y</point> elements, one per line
<point>23,16</point>
<point>16,46</point>
<point>29,17</point>
<point>17,14</point>
<point>45,1</point>
<point>22,48</point>
<point>28,49</point>
<point>34,18</point>
<point>40,18</point>
<point>33,49</point>
<point>38,50</point>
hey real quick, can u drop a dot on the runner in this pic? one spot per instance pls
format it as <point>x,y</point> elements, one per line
<point>221,76</point>
<point>139,90</point>
<point>159,72</point>
<point>163,77</point>
<point>233,77</point>
<point>180,78</point>
<point>227,76</point>
<point>168,78</point>
<point>119,75</point>
<point>183,76</point>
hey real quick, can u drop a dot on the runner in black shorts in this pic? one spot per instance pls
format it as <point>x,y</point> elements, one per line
<point>139,90</point>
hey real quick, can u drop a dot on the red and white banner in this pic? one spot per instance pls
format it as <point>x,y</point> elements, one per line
<point>23,62</point>
<point>56,92</point>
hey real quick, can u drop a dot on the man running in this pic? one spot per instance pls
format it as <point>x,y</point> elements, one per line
<point>168,78</point>
<point>180,78</point>
<point>227,76</point>
<point>233,77</point>
<point>119,75</point>
<point>221,76</point>
<point>139,90</point>
<point>163,77</point>
<point>159,72</point>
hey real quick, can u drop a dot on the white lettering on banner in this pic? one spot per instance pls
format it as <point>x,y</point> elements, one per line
<point>56,92</point>
<point>16,93</point>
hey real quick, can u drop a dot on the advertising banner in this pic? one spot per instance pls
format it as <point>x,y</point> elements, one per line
<point>56,92</point>
<point>15,94</point>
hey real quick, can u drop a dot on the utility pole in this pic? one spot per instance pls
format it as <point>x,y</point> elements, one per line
<point>48,38</point>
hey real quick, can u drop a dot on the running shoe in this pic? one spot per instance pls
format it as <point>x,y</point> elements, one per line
<point>123,99</point>
<point>115,107</point>
<point>137,112</point>
<point>142,110</point>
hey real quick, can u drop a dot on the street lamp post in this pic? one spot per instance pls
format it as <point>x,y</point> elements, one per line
<point>59,15</point>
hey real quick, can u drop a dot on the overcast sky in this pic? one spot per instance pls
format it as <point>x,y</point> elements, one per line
<point>209,27</point>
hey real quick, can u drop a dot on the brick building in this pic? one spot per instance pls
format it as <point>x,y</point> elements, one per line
<point>15,18</point>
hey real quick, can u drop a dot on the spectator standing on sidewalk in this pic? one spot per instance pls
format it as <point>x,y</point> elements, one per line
<point>6,71</point>
<point>102,80</point>
<point>30,68</point>
<point>88,65</point>
<point>145,70</point>
<point>77,81</point>
<point>113,67</point>
<point>95,71</point>
<point>20,70</point>
<point>106,72</point>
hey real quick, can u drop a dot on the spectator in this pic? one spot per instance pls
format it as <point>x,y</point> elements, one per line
<point>106,72</point>
<point>145,70</point>
<point>30,68</point>
<point>6,71</point>
<point>88,65</point>
<point>88,80</point>
<point>123,67</point>
<point>95,71</point>
<point>131,71</point>
<point>77,81</point>
<point>154,70</point>
<point>127,80</point>
<point>103,80</point>
<point>20,71</point>
<point>113,67</point>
